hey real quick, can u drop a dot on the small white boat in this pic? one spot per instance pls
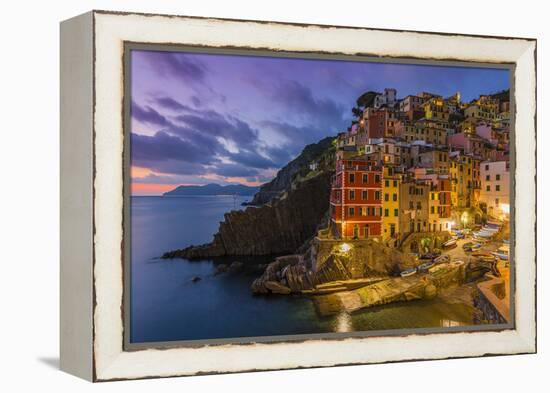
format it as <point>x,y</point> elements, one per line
<point>458,262</point>
<point>502,253</point>
<point>408,272</point>
<point>449,243</point>
<point>442,259</point>
<point>425,266</point>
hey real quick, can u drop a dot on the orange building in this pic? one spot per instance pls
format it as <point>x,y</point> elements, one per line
<point>356,199</point>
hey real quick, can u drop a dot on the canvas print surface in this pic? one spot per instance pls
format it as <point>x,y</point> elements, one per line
<point>286,196</point>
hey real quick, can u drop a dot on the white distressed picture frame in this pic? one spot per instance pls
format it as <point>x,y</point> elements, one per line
<point>92,141</point>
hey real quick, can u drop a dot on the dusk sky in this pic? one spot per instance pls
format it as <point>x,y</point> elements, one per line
<point>201,118</point>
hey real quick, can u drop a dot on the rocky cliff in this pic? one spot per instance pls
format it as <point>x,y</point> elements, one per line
<point>281,226</point>
<point>318,153</point>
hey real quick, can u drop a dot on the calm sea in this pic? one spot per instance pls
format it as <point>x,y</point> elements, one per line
<point>166,305</point>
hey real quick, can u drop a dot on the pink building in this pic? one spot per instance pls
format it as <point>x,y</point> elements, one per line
<point>485,131</point>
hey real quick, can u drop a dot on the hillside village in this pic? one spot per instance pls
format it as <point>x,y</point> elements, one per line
<point>423,163</point>
<point>411,202</point>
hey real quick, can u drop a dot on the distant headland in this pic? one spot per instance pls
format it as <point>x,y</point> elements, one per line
<point>212,189</point>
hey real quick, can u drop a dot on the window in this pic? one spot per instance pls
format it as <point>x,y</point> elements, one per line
<point>418,206</point>
<point>377,195</point>
<point>387,183</point>
<point>386,213</point>
<point>352,177</point>
<point>497,187</point>
<point>364,211</point>
<point>496,201</point>
<point>498,177</point>
<point>486,167</point>
<point>352,194</point>
<point>377,178</point>
<point>386,197</point>
<point>395,212</point>
<point>395,183</point>
<point>364,194</point>
<point>488,177</point>
<point>432,210</point>
<point>351,211</point>
<point>395,197</point>
<point>411,205</point>
<point>488,188</point>
<point>365,178</point>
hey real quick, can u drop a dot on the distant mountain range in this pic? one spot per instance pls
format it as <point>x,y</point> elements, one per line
<point>213,189</point>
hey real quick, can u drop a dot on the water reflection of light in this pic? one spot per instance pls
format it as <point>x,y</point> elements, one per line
<point>343,323</point>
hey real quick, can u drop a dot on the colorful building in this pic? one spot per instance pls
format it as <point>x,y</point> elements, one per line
<point>430,131</point>
<point>465,179</point>
<point>494,197</point>
<point>390,203</point>
<point>356,199</point>
<point>413,206</point>
<point>414,165</point>
<point>436,109</point>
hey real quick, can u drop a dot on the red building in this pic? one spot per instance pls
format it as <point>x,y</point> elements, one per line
<point>444,187</point>
<point>356,199</point>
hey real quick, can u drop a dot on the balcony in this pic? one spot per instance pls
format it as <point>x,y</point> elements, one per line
<point>358,167</point>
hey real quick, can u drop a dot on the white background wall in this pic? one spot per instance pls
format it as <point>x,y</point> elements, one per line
<point>29,195</point>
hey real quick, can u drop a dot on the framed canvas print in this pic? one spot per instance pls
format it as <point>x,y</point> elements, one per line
<point>246,195</point>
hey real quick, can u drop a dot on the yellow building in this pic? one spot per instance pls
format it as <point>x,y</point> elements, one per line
<point>436,109</point>
<point>390,203</point>
<point>465,180</point>
<point>430,131</point>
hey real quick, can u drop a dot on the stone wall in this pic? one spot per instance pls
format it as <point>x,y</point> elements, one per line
<point>436,240</point>
<point>494,308</point>
<point>391,290</point>
<point>365,258</point>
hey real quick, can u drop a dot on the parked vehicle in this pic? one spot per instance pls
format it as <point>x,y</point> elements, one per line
<point>408,272</point>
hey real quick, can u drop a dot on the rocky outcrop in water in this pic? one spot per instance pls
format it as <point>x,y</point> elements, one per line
<point>279,227</point>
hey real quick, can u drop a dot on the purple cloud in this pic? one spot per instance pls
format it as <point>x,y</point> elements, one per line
<point>175,65</point>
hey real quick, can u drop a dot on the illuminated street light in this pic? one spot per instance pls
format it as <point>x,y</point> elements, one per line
<point>505,208</point>
<point>345,247</point>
